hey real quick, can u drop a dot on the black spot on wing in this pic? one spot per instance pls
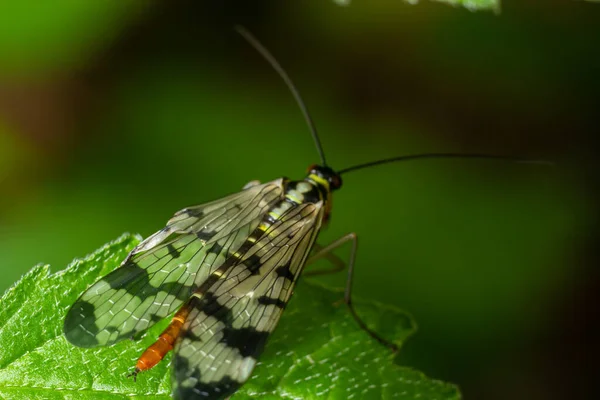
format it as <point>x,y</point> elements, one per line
<point>80,319</point>
<point>182,369</point>
<point>216,248</point>
<point>119,336</point>
<point>154,318</point>
<point>268,301</point>
<point>201,390</point>
<point>211,307</point>
<point>285,272</point>
<point>181,292</point>
<point>253,264</point>
<point>126,274</point>
<point>205,235</point>
<point>137,282</point>
<point>173,251</point>
<point>83,338</point>
<point>248,341</point>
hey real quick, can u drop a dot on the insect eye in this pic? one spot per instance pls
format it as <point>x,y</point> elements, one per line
<point>335,182</point>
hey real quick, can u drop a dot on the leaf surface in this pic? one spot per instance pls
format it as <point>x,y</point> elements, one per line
<point>317,351</point>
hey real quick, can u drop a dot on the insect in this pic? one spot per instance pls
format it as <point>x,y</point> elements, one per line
<point>226,269</point>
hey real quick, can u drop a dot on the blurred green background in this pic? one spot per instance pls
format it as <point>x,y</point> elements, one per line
<point>115,114</point>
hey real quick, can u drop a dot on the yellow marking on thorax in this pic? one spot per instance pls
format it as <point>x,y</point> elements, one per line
<point>319,180</point>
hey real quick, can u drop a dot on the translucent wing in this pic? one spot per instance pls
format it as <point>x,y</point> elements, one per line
<point>230,323</point>
<point>164,270</point>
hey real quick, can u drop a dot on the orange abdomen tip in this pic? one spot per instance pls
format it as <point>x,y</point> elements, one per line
<point>159,349</point>
<point>155,353</point>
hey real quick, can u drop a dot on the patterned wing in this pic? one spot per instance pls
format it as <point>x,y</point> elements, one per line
<point>230,322</point>
<point>164,270</point>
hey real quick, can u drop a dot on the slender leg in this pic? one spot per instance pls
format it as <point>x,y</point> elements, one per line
<point>338,263</point>
<point>327,252</point>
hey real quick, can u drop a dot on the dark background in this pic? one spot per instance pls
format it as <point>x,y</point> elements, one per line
<point>113,115</point>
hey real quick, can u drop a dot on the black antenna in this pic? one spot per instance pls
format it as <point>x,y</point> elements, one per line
<point>277,67</point>
<point>442,155</point>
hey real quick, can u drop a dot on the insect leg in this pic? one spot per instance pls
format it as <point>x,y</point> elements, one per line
<point>327,250</point>
<point>338,263</point>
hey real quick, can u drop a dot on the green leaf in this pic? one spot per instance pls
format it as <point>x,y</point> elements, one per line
<point>470,4</point>
<point>318,350</point>
<point>474,4</point>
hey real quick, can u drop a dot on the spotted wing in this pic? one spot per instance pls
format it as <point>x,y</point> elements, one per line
<point>230,322</point>
<point>164,270</point>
